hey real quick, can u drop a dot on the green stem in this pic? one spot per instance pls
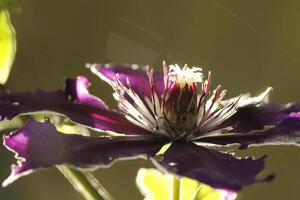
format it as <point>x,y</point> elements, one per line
<point>175,188</point>
<point>85,184</point>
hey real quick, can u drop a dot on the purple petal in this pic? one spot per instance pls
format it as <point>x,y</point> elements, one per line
<point>12,105</point>
<point>257,117</point>
<point>219,170</point>
<point>137,76</point>
<point>286,132</point>
<point>77,88</point>
<point>40,145</point>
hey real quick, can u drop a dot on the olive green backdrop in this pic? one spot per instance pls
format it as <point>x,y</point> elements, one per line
<point>248,45</point>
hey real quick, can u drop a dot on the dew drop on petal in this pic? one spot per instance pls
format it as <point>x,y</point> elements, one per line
<point>16,103</point>
<point>172,164</point>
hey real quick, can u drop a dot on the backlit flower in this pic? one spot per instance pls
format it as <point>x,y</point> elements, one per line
<point>155,109</point>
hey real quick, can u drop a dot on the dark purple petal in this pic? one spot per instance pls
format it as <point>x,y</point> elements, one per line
<point>219,170</point>
<point>286,132</point>
<point>12,105</point>
<point>137,76</point>
<point>257,117</point>
<point>40,145</point>
<point>77,88</point>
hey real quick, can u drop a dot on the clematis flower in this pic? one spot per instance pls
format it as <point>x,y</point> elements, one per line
<point>175,108</point>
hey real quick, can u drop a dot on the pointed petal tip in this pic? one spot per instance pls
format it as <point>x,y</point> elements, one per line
<point>9,180</point>
<point>12,178</point>
<point>13,143</point>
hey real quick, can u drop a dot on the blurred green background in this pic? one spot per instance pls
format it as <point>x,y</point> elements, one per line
<point>248,45</point>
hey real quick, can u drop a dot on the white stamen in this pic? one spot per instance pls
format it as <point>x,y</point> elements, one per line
<point>185,75</point>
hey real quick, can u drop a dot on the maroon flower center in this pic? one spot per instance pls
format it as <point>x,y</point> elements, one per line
<point>183,110</point>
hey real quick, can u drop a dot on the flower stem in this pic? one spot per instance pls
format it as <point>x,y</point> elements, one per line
<point>175,188</point>
<point>85,184</point>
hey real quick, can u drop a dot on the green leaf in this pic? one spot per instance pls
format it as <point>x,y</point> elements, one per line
<point>7,45</point>
<point>156,185</point>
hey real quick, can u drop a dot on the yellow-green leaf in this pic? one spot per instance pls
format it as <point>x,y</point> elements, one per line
<point>156,185</point>
<point>7,45</point>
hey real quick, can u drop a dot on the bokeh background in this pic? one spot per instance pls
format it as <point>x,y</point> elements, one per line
<point>248,45</point>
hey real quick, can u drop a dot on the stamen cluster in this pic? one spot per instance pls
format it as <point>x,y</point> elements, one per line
<point>182,111</point>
